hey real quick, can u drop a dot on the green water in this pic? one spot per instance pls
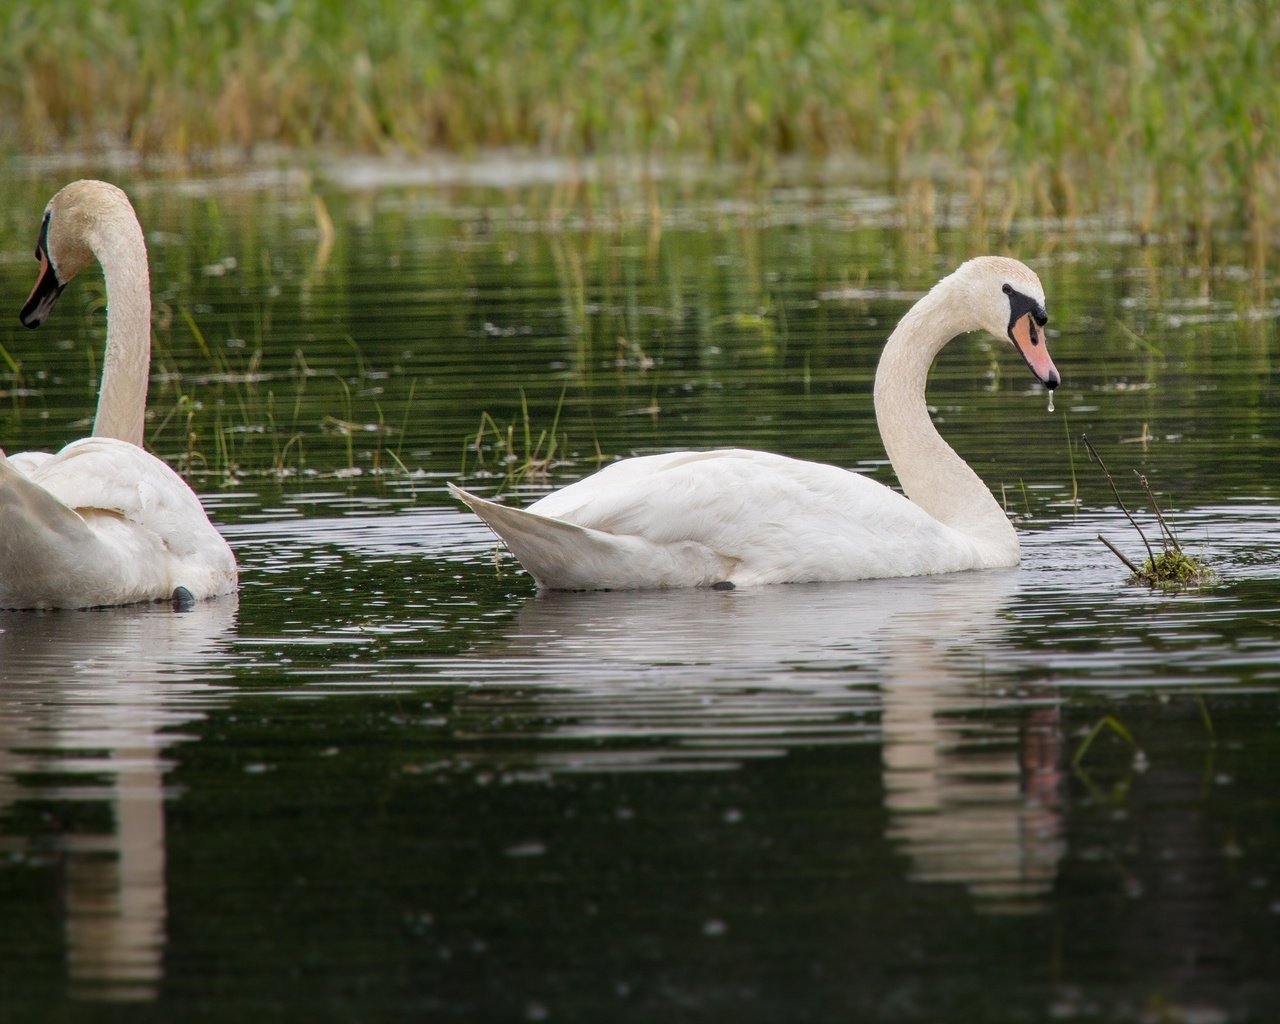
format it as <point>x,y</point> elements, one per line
<point>392,782</point>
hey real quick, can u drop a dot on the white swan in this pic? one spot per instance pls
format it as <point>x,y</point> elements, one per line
<point>103,522</point>
<point>689,519</point>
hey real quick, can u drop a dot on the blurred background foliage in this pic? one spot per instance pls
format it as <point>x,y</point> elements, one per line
<point>1065,106</point>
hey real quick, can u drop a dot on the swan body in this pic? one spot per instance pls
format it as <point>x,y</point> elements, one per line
<point>746,518</point>
<point>103,521</point>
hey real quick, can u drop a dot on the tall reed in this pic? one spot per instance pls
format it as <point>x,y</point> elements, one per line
<point>1063,103</point>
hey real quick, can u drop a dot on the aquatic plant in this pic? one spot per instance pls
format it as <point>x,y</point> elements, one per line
<point>15,373</point>
<point>514,447</point>
<point>1169,569</point>
<point>1116,726</point>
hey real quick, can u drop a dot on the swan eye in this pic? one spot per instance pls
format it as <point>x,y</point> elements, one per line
<point>1024,306</point>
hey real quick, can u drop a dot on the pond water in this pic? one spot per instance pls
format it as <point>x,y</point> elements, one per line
<point>391,781</point>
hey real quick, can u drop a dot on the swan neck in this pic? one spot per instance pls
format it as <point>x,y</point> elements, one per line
<point>932,475</point>
<point>126,365</point>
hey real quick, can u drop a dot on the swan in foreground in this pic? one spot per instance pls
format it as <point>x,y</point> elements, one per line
<point>744,518</point>
<point>103,522</point>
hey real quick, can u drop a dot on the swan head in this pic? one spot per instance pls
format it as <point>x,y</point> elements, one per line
<point>75,222</point>
<point>1007,299</point>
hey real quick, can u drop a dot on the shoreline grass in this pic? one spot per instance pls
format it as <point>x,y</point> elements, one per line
<point>1059,102</point>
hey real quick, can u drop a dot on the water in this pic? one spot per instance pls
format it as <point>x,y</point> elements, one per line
<point>391,781</point>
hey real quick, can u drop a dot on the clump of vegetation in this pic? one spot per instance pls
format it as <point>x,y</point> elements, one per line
<point>1171,568</point>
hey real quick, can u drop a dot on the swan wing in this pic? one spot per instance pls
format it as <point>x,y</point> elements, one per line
<point>739,516</point>
<point>26,463</point>
<point>49,555</point>
<point>104,522</point>
<point>107,475</point>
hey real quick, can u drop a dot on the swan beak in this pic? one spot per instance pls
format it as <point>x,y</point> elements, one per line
<point>40,302</point>
<point>1028,337</point>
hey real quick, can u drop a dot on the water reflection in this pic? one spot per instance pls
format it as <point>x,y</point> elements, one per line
<point>972,801</point>
<point>90,702</point>
<point>698,680</point>
<point>971,774</point>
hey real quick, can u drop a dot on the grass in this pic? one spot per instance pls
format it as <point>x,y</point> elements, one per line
<point>1071,457</point>
<point>1112,723</point>
<point>514,447</point>
<point>1051,106</point>
<point>220,416</point>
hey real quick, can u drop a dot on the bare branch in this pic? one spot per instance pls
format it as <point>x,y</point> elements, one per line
<point>1093,453</point>
<point>1120,555</point>
<point>1170,537</point>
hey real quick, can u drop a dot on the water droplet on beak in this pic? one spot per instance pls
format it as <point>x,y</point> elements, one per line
<point>1051,401</point>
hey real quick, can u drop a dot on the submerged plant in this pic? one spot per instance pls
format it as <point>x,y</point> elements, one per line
<point>533,459</point>
<point>1170,568</point>
<point>1116,726</point>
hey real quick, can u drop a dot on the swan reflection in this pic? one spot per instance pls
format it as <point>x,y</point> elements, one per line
<point>89,704</point>
<point>970,774</point>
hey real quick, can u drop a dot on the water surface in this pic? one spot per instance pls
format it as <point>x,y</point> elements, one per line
<point>389,780</point>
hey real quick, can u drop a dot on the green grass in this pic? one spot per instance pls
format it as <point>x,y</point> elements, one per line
<point>1174,569</point>
<point>1060,106</point>
<point>514,449</point>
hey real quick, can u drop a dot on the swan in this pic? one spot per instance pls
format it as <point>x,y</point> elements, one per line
<point>103,521</point>
<point>735,517</point>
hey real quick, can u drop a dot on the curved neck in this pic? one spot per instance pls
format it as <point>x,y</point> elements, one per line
<point>931,473</point>
<point>126,365</point>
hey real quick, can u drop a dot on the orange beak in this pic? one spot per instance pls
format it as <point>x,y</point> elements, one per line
<point>40,302</point>
<point>1029,339</point>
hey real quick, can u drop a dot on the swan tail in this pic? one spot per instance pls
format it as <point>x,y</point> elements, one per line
<point>565,556</point>
<point>549,549</point>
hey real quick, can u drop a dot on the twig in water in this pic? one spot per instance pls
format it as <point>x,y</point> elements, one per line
<point>1120,555</point>
<point>1093,453</point>
<point>1171,538</point>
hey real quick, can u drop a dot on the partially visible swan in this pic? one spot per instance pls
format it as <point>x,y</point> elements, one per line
<point>691,519</point>
<point>103,522</point>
